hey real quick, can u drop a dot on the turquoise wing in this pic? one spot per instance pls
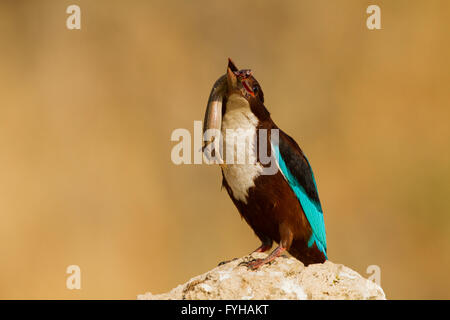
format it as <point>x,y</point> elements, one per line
<point>297,171</point>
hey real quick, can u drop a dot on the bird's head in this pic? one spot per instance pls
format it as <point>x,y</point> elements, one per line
<point>242,82</point>
<point>235,81</point>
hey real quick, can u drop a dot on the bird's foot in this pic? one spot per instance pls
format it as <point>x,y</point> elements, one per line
<point>255,264</point>
<point>246,260</point>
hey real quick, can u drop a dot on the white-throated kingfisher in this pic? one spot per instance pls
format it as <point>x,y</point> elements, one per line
<point>282,207</point>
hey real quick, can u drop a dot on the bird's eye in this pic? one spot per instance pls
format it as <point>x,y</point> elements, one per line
<point>255,89</point>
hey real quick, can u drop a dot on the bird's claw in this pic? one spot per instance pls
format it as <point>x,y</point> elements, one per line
<point>246,261</point>
<point>251,263</point>
<point>225,262</point>
<point>255,264</point>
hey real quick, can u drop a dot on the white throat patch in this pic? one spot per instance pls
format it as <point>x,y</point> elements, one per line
<point>239,175</point>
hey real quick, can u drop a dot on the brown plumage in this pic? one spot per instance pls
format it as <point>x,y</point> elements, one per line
<point>275,214</point>
<point>273,205</point>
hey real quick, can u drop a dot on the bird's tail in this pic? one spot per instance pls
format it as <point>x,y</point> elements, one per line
<point>306,255</point>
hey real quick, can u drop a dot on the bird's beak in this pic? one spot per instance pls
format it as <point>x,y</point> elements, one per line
<point>232,66</point>
<point>231,75</point>
<point>237,79</point>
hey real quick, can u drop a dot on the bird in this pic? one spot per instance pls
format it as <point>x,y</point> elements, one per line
<point>282,207</point>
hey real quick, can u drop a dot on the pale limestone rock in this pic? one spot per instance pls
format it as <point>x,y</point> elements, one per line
<point>285,278</point>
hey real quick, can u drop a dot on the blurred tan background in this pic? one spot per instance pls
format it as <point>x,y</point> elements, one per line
<point>86,117</point>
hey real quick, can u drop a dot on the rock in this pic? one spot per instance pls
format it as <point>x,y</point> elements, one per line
<point>284,278</point>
